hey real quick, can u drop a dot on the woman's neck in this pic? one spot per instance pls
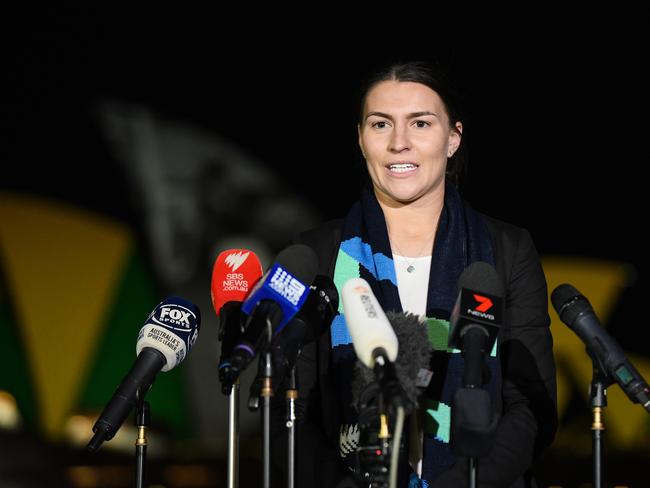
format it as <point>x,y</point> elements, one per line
<point>412,226</point>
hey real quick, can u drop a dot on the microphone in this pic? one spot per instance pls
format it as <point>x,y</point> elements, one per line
<point>476,318</point>
<point>273,301</point>
<point>167,336</point>
<point>473,328</point>
<point>576,312</point>
<point>234,273</point>
<point>411,365</point>
<point>376,345</point>
<point>373,338</point>
<point>310,322</point>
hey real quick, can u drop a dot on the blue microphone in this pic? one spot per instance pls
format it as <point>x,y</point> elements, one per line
<point>273,302</point>
<point>167,336</point>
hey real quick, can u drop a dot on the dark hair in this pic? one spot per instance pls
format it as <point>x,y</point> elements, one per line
<point>435,78</point>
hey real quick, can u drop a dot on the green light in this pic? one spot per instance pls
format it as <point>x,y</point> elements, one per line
<point>624,374</point>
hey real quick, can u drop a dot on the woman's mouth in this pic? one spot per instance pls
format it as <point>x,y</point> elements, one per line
<point>402,167</point>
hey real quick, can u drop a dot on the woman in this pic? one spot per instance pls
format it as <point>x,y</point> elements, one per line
<point>411,236</point>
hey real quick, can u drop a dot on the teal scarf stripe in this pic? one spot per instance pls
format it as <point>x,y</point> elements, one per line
<point>381,267</point>
<point>340,333</point>
<point>354,253</point>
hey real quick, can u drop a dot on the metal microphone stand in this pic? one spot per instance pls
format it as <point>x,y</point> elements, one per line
<point>598,399</point>
<point>291,396</point>
<point>142,420</point>
<point>267,392</point>
<point>233,436</point>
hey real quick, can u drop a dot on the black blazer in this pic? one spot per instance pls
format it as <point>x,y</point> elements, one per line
<point>528,392</point>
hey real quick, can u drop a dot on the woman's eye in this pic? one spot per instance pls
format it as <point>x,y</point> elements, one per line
<point>380,124</point>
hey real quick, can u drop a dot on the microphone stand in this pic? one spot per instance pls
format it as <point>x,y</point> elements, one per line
<point>598,399</point>
<point>142,420</point>
<point>291,395</point>
<point>233,436</point>
<point>382,475</point>
<point>473,421</point>
<point>267,392</point>
<point>473,356</point>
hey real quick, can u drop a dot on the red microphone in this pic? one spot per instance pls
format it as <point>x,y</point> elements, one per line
<point>234,273</point>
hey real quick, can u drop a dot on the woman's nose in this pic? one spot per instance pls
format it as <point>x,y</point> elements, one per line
<point>398,140</point>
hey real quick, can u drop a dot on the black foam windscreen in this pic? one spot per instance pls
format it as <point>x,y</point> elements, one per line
<point>413,356</point>
<point>482,277</point>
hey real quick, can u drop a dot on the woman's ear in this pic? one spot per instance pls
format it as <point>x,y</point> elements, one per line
<point>455,136</point>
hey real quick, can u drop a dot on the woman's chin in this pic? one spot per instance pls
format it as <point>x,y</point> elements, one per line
<point>399,198</point>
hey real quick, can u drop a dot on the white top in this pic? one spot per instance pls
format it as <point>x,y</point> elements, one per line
<point>413,288</point>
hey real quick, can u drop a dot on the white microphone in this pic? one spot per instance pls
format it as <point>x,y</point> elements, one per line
<point>372,335</point>
<point>167,336</point>
<point>376,346</point>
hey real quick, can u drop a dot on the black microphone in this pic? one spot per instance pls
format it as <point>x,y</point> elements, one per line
<point>473,328</point>
<point>476,318</point>
<point>272,303</point>
<point>310,322</point>
<point>576,312</point>
<point>163,342</point>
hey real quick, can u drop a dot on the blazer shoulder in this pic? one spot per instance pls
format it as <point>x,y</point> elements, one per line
<point>503,230</point>
<point>330,230</point>
<point>324,240</point>
<point>507,238</point>
<point>510,244</point>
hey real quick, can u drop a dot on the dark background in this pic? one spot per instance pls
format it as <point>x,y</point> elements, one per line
<point>555,118</point>
<point>555,126</point>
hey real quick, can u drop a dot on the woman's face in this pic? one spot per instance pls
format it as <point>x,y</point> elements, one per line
<point>406,140</point>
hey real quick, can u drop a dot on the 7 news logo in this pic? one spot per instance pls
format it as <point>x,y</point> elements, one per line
<point>483,304</point>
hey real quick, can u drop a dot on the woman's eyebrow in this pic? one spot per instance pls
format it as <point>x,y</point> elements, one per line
<point>409,116</point>
<point>420,114</point>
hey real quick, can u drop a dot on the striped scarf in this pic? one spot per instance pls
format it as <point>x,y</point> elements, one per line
<point>461,238</point>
